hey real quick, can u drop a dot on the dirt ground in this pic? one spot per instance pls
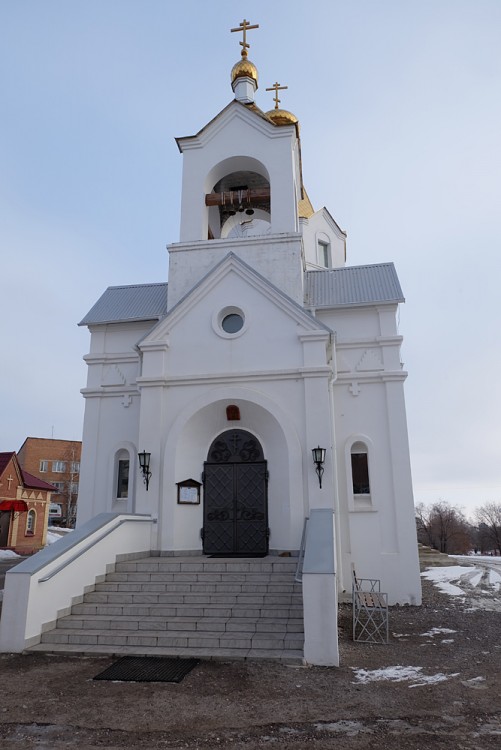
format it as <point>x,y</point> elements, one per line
<point>51,702</point>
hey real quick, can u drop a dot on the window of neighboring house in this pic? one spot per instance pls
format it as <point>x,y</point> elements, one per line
<point>75,467</point>
<point>44,465</point>
<point>60,487</point>
<point>123,478</point>
<point>30,522</point>
<point>324,254</point>
<point>59,466</point>
<point>73,488</point>
<point>360,469</point>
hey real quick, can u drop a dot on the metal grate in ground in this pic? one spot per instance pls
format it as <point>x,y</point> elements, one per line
<point>148,669</point>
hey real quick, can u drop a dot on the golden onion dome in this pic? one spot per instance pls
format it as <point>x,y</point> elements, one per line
<point>244,68</point>
<point>282,117</point>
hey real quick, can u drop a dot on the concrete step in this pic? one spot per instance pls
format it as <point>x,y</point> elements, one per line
<point>194,605</point>
<point>175,598</point>
<point>188,610</point>
<point>270,565</point>
<point>199,585</point>
<point>202,624</point>
<point>176,638</point>
<point>286,656</point>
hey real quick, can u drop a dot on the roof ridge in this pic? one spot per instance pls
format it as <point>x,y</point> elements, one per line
<point>136,286</point>
<point>351,268</point>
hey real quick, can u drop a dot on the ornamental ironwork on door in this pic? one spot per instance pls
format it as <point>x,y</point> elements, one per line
<point>235,496</point>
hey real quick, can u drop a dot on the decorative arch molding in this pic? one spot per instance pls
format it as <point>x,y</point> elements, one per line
<point>366,502</point>
<point>278,437</point>
<point>234,164</point>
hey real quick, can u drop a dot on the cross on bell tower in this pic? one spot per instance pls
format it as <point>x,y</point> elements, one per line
<point>276,88</point>
<point>245,26</point>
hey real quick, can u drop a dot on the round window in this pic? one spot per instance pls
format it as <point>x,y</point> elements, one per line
<point>232,323</point>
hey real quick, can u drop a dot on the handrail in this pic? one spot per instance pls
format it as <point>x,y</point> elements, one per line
<point>299,567</point>
<point>89,546</point>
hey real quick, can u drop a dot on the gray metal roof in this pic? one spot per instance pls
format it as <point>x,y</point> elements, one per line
<point>355,285</point>
<point>128,303</point>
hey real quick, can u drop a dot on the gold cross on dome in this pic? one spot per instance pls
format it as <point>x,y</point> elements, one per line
<point>276,88</point>
<point>245,26</point>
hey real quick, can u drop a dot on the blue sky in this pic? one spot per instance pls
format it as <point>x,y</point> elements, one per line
<point>400,111</point>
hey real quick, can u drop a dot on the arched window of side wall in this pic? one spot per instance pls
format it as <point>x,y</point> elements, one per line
<point>122,469</point>
<point>358,474</point>
<point>31,523</point>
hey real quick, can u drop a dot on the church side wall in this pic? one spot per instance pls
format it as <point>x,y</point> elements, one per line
<point>111,418</point>
<point>377,528</point>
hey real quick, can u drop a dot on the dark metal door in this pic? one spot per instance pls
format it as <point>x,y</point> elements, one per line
<point>235,496</point>
<point>4,527</point>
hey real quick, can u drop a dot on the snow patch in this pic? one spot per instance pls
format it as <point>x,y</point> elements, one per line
<point>400,674</point>
<point>437,631</point>
<point>8,554</point>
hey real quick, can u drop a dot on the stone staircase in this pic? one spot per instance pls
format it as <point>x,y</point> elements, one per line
<point>188,606</point>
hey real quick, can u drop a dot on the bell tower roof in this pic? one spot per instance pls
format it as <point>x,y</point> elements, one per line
<point>244,74</point>
<point>280,116</point>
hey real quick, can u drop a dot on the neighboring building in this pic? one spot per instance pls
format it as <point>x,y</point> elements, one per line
<point>24,507</point>
<point>56,462</point>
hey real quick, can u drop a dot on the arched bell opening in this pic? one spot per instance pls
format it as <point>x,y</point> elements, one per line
<point>238,199</point>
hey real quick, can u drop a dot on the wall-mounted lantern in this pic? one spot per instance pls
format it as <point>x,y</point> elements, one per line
<point>319,460</point>
<point>144,465</point>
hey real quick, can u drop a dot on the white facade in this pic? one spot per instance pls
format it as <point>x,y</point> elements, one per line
<point>316,362</point>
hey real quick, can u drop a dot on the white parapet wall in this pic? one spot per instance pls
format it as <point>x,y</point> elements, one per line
<point>320,591</point>
<point>43,587</point>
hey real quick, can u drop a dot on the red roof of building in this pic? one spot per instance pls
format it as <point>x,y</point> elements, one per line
<point>29,481</point>
<point>4,459</point>
<point>34,483</point>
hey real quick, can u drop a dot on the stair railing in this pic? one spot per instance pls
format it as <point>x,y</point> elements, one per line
<point>299,568</point>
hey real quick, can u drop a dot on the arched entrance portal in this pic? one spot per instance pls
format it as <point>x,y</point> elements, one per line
<point>235,496</point>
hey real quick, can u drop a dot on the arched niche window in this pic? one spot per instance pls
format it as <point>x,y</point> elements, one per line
<point>360,469</point>
<point>358,474</point>
<point>122,464</point>
<point>31,522</point>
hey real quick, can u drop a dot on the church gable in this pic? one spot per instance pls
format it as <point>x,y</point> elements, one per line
<point>240,323</point>
<point>234,117</point>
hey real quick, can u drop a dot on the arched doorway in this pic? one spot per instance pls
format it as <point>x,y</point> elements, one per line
<point>235,496</point>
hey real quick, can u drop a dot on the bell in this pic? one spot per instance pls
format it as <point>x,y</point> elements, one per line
<point>249,211</point>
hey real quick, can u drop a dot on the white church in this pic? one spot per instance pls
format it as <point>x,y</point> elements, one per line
<point>262,386</point>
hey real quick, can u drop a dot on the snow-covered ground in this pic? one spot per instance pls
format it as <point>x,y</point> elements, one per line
<point>8,554</point>
<point>479,581</point>
<point>53,534</point>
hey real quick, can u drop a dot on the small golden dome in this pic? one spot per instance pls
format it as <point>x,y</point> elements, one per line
<point>282,117</point>
<point>244,68</point>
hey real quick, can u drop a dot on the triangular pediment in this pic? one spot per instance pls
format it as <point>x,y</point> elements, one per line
<point>248,114</point>
<point>234,266</point>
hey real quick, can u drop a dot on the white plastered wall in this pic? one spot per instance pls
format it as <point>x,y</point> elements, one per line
<point>111,417</point>
<point>321,228</point>
<point>378,533</point>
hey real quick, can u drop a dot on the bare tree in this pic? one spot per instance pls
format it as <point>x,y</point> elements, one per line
<point>489,519</point>
<point>424,524</point>
<point>443,527</point>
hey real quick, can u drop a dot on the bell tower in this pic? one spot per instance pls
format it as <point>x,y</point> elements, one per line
<point>241,189</point>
